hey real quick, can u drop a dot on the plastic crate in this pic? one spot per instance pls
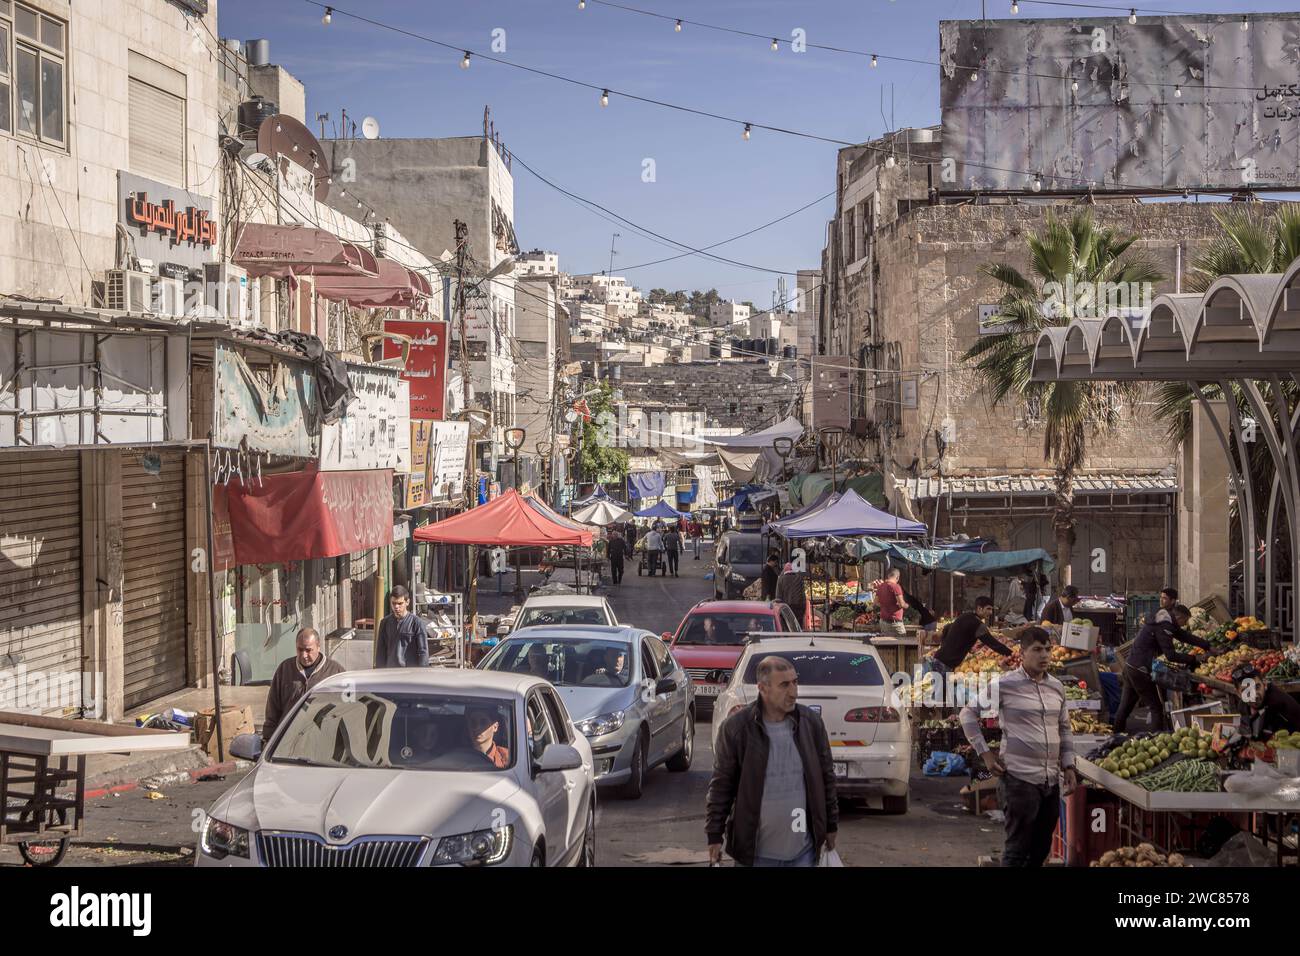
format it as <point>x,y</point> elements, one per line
<point>1136,609</point>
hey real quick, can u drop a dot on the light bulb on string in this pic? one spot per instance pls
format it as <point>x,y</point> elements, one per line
<point>582,4</point>
<point>1015,8</point>
<point>1245,24</point>
<point>748,127</point>
<point>678,26</point>
<point>1074,86</point>
<point>775,46</point>
<point>1132,17</point>
<point>464,63</point>
<point>329,15</point>
<point>889,161</point>
<point>1178,90</point>
<point>874,62</point>
<point>604,98</point>
<point>1037,184</point>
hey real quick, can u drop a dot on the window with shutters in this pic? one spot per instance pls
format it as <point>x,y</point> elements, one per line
<point>156,120</point>
<point>33,86</point>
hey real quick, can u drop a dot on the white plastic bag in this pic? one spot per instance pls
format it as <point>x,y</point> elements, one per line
<point>829,858</point>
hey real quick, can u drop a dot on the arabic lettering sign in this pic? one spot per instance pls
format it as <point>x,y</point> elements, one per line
<point>366,435</point>
<point>426,364</point>
<point>167,224</point>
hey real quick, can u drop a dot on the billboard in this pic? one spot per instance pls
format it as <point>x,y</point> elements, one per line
<point>1165,104</point>
<point>426,364</point>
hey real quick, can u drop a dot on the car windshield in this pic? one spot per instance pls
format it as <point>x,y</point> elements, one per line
<point>745,551</point>
<point>399,731</point>
<point>725,628</point>
<point>538,616</point>
<point>825,668</point>
<point>565,662</point>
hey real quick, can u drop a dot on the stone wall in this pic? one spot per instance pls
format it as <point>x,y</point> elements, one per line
<point>738,394</point>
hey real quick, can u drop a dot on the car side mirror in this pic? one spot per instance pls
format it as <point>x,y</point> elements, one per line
<point>666,637</point>
<point>246,747</point>
<point>666,685</point>
<point>559,757</point>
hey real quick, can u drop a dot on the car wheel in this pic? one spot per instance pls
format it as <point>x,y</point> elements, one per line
<point>539,859</point>
<point>636,783</point>
<point>681,761</point>
<point>588,855</point>
<point>895,804</point>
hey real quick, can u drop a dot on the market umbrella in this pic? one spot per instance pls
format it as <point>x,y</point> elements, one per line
<point>602,513</point>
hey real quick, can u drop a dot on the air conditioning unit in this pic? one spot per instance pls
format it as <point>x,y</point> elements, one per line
<point>226,293</point>
<point>169,297</point>
<point>128,291</point>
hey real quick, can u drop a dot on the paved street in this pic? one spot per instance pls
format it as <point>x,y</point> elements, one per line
<point>666,826</point>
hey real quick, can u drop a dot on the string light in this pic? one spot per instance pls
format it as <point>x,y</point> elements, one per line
<point>329,15</point>
<point>1132,17</point>
<point>1037,184</point>
<point>1015,8</point>
<point>748,127</point>
<point>889,161</point>
<point>1245,24</point>
<point>775,47</point>
<point>1074,86</point>
<point>874,62</point>
<point>464,64</point>
<point>604,98</point>
<point>582,4</point>
<point>678,26</point>
<point>1178,91</point>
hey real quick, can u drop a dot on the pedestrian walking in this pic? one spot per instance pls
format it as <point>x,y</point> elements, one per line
<point>617,550</point>
<point>790,591</point>
<point>672,549</point>
<point>696,531</point>
<point>630,530</point>
<point>402,639</point>
<point>294,677</point>
<point>892,604</point>
<point>772,794</point>
<point>654,549</point>
<point>1036,765</point>
<point>771,574</point>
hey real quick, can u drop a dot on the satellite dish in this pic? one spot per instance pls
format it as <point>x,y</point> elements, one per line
<point>255,160</point>
<point>370,128</point>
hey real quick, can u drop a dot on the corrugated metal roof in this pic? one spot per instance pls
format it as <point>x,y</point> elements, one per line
<point>997,486</point>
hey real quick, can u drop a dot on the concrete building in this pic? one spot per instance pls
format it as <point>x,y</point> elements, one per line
<point>728,314</point>
<point>903,299</point>
<point>537,262</point>
<point>545,346</point>
<point>734,393</point>
<point>622,300</point>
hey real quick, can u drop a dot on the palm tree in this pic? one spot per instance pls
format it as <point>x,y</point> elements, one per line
<point>1072,253</point>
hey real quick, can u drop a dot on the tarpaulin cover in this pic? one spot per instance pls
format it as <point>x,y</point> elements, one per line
<point>707,497</point>
<point>310,514</point>
<point>807,488</point>
<point>986,564</point>
<point>848,516</point>
<point>510,520</point>
<point>745,498</point>
<point>600,494</point>
<point>646,484</point>
<point>660,509</point>
<point>790,428</point>
<point>602,513</point>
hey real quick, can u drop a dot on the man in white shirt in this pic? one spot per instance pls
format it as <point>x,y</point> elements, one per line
<point>654,548</point>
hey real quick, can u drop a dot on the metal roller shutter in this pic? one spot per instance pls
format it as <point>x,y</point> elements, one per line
<point>154,564</point>
<point>40,575</point>
<point>156,124</point>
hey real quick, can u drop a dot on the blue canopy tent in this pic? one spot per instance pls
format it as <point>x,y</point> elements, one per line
<point>746,497</point>
<point>974,563</point>
<point>848,515</point>
<point>661,509</point>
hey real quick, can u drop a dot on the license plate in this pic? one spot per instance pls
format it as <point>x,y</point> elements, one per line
<point>708,690</point>
<point>841,769</point>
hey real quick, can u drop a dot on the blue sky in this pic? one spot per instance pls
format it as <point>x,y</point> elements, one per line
<point>709,183</point>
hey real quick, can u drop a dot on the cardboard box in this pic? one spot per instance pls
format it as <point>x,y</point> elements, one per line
<point>234,721</point>
<point>1079,637</point>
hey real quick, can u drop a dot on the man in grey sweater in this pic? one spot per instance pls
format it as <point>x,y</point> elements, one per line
<point>402,639</point>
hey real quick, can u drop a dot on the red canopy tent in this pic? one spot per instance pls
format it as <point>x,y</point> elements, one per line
<point>509,521</point>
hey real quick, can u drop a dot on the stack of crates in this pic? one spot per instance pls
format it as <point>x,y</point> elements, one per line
<point>1136,610</point>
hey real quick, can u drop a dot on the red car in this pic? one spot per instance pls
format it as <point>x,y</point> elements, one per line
<point>712,635</point>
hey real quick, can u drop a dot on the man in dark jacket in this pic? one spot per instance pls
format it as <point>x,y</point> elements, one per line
<point>672,549</point>
<point>771,571</point>
<point>616,550</point>
<point>790,591</point>
<point>773,789</point>
<point>294,677</point>
<point>1061,610</point>
<point>962,634</point>
<point>1152,641</point>
<point>402,639</point>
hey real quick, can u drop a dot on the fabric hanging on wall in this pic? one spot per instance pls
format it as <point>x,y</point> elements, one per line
<point>647,484</point>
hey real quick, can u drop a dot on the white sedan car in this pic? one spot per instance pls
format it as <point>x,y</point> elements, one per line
<point>845,681</point>
<point>542,610</point>
<point>413,767</point>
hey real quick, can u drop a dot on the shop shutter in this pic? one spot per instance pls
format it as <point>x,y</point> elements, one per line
<point>40,571</point>
<point>154,564</point>
<point>156,120</point>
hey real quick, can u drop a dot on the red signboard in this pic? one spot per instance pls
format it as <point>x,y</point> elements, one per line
<point>426,364</point>
<point>310,514</point>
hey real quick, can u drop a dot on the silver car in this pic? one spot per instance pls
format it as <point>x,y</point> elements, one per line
<point>623,689</point>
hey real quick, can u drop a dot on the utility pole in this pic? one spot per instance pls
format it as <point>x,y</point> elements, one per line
<point>471,473</point>
<point>612,253</point>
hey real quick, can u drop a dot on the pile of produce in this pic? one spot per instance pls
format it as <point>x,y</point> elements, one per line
<point>982,660</point>
<point>1288,668</point>
<point>1183,776</point>
<point>1285,740</point>
<point>942,723</point>
<point>1076,691</point>
<point>843,617</point>
<point>1141,755</point>
<point>1089,722</point>
<point>839,590</point>
<point>1224,663</point>
<point>1144,855</point>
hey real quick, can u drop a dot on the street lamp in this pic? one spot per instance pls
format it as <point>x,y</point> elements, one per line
<point>514,441</point>
<point>832,439</point>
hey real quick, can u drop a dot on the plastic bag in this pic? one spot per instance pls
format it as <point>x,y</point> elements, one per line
<point>829,858</point>
<point>944,764</point>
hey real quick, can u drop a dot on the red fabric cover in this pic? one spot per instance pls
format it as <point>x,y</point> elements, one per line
<point>508,521</point>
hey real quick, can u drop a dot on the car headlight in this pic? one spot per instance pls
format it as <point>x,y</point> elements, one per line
<point>479,848</point>
<point>221,839</point>
<point>601,725</point>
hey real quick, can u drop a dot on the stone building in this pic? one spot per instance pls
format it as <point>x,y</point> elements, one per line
<point>732,393</point>
<point>904,295</point>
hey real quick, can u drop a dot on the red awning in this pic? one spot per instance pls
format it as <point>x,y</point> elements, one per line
<point>509,521</point>
<point>310,514</point>
<point>395,287</point>
<point>282,251</point>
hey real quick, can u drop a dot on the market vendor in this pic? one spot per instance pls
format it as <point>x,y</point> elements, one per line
<point>1156,638</point>
<point>928,620</point>
<point>962,634</point>
<point>1273,709</point>
<point>1061,611</point>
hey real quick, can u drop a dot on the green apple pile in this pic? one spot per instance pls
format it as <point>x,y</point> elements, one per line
<point>1136,757</point>
<point>1285,740</point>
